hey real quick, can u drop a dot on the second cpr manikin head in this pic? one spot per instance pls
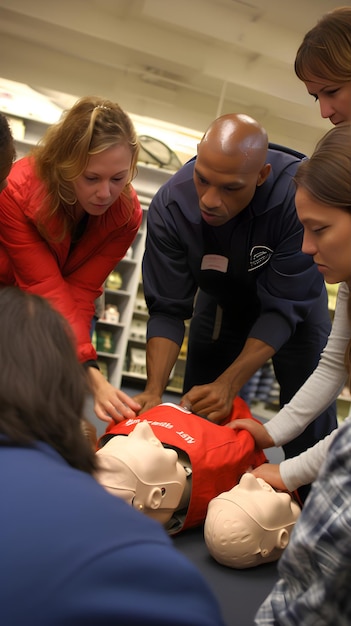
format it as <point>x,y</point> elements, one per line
<point>138,469</point>
<point>250,524</point>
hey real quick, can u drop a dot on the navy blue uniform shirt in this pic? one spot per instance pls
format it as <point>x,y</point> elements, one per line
<point>270,285</point>
<point>260,284</point>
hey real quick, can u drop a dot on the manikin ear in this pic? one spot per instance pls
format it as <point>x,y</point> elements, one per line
<point>280,541</point>
<point>154,498</point>
<point>152,501</point>
<point>263,175</point>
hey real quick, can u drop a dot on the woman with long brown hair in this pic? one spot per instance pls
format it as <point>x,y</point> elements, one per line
<point>323,63</point>
<point>70,552</point>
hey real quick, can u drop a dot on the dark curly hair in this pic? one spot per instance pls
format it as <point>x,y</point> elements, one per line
<point>7,148</point>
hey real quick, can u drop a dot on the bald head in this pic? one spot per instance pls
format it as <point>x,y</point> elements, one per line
<point>234,134</point>
<point>230,165</point>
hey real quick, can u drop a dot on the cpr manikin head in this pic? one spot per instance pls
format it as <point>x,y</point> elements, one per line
<point>138,469</point>
<point>250,524</point>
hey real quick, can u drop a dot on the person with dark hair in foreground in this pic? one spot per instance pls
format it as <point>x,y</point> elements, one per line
<point>70,552</point>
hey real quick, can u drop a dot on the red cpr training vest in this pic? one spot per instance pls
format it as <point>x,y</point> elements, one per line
<point>218,455</point>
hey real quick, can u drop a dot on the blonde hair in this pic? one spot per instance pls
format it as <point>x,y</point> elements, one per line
<point>325,51</point>
<point>327,177</point>
<point>91,126</point>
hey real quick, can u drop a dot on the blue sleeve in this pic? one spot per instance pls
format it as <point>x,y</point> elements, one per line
<point>145,583</point>
<point>165,264</point>
<point>290,287</point>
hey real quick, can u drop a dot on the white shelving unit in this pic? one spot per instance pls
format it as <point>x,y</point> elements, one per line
<point>147,183</point>
<point>115,335</point>
<point>26,132</point>
<point>127,338</point>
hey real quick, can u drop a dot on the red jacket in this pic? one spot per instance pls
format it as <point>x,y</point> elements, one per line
<point>218,455</point>
<point>71,282</point>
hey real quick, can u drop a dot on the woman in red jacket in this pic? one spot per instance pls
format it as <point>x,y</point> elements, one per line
<point>67,216</point>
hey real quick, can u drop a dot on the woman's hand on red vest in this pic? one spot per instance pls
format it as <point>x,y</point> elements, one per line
<point>257,430</point>
<point>110,404</point>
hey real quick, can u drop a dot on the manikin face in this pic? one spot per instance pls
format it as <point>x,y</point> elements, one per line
<point>334,98</point>
<point>250,524</point>
<point>104,179</point>
<point>327,236</point>
<point>142,472</point>
<point>225,184</point>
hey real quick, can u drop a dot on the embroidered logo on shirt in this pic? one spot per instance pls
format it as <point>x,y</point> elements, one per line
<point>259,256</point>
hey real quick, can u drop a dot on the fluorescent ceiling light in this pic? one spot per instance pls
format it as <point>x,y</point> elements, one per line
<point>20,100</point>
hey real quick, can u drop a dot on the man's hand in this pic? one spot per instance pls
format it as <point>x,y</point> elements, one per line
<point>214,401</point>
<point>147,400</point>
<point>258,431</point>
<point>270,472</point>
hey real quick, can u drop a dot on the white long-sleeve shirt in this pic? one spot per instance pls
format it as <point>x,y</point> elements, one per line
<point>318,392</point>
